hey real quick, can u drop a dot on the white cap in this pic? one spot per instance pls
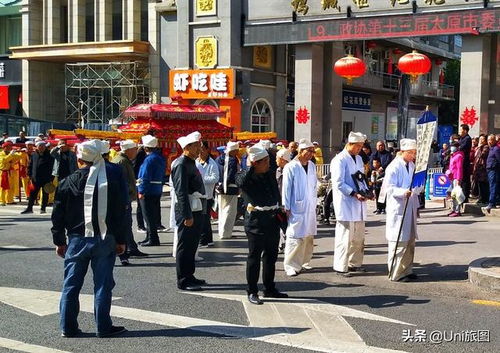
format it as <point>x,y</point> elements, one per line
<point>257,152</point>
<point>89,151</point>
<point>29,143</point>
<point>191,138</point>
<point>40,142</point>
<point>266,144</point>
<point>285,154</point>
<point>149,141</point>
<point>356,137</point>
<point>304,143</point>
<point>105,146</point>
<point>407,144</point>
<point>315,143</point>
<point>232,146</point>
<point>127,144</point>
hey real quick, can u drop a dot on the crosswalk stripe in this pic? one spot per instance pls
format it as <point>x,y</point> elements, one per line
<point>25,347</point>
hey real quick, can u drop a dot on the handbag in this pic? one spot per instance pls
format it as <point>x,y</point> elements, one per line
<point>458,194</point>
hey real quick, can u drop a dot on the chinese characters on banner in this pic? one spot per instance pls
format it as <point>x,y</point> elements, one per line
<point>300,6</point>
<point>2,70</point>
<point>202,84</point>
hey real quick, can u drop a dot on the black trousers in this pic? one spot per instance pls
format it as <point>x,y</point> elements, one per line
<point>380,205</point>
<point>466,182</point>
<point>484,191</point>
<point>206,228</point>
<point>139,216</point>
<point>149,206</point>
<point>262,245</point>
<point>327,205</point>
<point>34,195</point>
<point>188,240</point>
<point>131,244</point>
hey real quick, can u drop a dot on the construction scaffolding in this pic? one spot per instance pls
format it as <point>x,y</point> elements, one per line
<point>99,92</point>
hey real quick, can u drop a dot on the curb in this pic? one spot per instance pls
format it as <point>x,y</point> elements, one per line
<point>485,273</point>
<point>481,210</point>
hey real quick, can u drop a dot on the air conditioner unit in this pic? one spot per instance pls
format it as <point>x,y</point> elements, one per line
<point>387,54</point>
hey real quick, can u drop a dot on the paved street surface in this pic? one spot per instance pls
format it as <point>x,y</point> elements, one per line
<point>366,313</point>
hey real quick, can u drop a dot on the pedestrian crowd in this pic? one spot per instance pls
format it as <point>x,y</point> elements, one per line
<point>274,187</point>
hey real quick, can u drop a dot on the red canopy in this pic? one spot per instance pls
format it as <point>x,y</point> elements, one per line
<point>176,111</point>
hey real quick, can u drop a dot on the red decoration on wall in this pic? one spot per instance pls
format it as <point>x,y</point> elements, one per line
<point>302,115</point>
<point>4,97</point>
<point>469,116</point>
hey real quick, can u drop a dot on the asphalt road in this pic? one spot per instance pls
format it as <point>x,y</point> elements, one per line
<point>439,303</point>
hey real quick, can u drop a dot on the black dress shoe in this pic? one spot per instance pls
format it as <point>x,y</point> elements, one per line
<point>151,243</point>
<point>146,240</point>
<point>191,288</point>
<point>344,274</point>
<point>254,299</point>
<point>356,269</point>
<point>26,211</point>
<point>275,294</point>
<point>115,330</point>
<point>405,279</point>
<point>137,253</point>
<point>199,282</point>
<point>77,333</point>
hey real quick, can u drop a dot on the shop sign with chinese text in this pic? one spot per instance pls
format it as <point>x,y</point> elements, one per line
<point>202,84</point>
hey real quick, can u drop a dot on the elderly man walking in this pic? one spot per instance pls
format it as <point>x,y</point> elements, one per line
<point>299,199</point>
<point>397,182</point>
<point>88,228</point>
<point>349,193</point>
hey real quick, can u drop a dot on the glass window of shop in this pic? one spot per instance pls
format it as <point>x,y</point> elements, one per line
<point>262,116</point>
<point>10,33</point>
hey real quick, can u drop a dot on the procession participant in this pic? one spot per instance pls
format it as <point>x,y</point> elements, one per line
<point>228,190</point>
<point>124,159</point>
<point>349,193</point>
<point>292,147</point>
<point>299,199</point>
<point>64,160</point>
<point>150,187</point>
<point>190,208</point>
<point>318,153</point>
<point>139,159</point>
<point>271,150</point>
<point>7,160</point>
<point>283,157</point>
<point>261,193</point>
<point>40,172</point>
<point>89,209</point>
<point>210,175</point>
<point>23,167</point>
<point>398,180</point>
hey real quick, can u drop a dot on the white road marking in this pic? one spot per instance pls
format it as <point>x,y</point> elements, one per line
<point>312,325</point>
<point>13,247</point>
<point>25,347</point>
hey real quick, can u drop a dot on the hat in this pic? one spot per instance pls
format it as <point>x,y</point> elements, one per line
<point>315,143</point>
<point>189,139</point>
<point>257,152</point>
<point>105,147</point>
<point>127,144</point>
<point>29,143</point>
<point>232,146</point>
<point>89,151</point>
<point>265,143</point>
<point>408,144</point>
<point>285,154</point>
<point>7,143</point>
<point>304,143</point>
<point>356,137</point>
<point>40,142</point>
<point>149,141</point>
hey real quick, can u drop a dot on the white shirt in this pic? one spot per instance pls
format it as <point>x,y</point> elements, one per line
<point>210,174</point>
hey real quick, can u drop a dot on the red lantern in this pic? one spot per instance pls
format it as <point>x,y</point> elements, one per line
<point>350,68</point>
<point>414,64</point>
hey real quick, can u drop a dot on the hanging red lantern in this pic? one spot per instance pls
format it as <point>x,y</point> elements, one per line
<point>350,68</point>
<point>414,64</point>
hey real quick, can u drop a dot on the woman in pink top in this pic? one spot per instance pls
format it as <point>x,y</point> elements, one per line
<point>455,174</point>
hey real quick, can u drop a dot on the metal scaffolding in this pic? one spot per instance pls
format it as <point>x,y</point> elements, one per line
<point>100,92</point>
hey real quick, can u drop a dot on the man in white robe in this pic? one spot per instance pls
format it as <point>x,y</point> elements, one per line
<point>398,179</point>
<point>349,192</point>
<point>299,199</point>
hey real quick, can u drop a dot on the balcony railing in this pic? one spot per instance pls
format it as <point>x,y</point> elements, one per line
<point>382,80</point>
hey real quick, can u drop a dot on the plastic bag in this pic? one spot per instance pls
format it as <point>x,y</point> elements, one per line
<point>458,194</point>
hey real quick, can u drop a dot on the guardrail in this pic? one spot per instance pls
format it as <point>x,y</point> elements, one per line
<point>322,170</point>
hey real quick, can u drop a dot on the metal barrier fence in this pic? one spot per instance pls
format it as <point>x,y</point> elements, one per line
<point>322,170</point>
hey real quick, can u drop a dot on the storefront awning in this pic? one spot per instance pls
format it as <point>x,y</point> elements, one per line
<point>117,50</point>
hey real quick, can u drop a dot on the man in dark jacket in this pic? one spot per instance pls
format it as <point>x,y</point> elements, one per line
<point>465,142</point>
<point>88,210</point>
<point>190,207</point>
<point>40,172</point>
<point>64,160</point>
<point>261,193</point>
<point>124,159</point>
<point>493,169</point>
<point>381,154</point>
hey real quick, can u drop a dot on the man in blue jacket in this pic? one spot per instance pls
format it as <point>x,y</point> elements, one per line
<point>149,187</point>
<point>493,169</point>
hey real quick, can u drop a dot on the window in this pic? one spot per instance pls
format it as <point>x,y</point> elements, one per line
<point>89,21</point>
<point>10,33</point>
<point>144,20</point>
<point>117,20</point>
<point>262,116</point>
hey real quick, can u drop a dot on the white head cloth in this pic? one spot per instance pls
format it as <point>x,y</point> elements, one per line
<point>408,144</point>
<point>304,143</point>
<point>127,144</point>
<point>265,143</point>
<point>257,152</point>
<point>149,141</point>
<point>29,143</point>
<point>356,137</point>
<point>285,154</point>
<point>90,151</point>
<point>191,138</point>
<point>232,146</point>
<point>105,146</point>
<point>41,142</point>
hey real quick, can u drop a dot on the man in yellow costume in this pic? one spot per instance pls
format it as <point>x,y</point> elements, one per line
<point>7,184</point>
<point>318,154</point>
<point>23,167</point>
